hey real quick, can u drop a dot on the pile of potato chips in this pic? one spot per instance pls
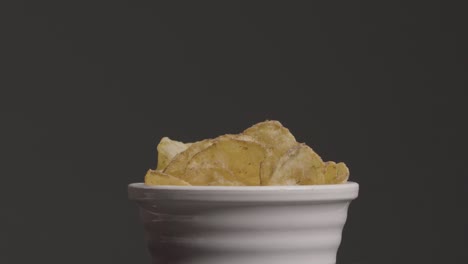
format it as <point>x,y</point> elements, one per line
<point>264,154</point>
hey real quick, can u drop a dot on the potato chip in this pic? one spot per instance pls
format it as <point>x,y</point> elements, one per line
<point>342,173</point>
<point>239,157</point>
<point>236,136</point>
<point>273,135</point>
<point>179,163</point>
<point>299,166</point>
<point>210,176</point>
<point>154,177</point>
<point>264,154</point>
<point>167,150</point>
<point>331,172</point>
<point>335,173</point>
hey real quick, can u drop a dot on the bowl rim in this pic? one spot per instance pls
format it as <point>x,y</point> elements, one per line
<point>328,192</point>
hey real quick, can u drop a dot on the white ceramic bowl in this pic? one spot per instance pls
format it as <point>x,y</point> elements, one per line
<point>243,225</point>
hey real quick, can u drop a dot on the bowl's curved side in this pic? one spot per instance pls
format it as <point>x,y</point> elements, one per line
<point>245,224</point>
<point>235,232</point>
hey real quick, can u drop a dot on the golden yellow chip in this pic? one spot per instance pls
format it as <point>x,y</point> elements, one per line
<point>331,172</point>
<point>236,136</point>
<point>277,138</point>
<point>167,150</point>
<point>211,176</point>
<point>264,154</point>
<point>154,177</point>
<point>335,173</point>
<point>342,173</point>
<point>299,166</point>
<point>239,157</point>
<point>179,163</point>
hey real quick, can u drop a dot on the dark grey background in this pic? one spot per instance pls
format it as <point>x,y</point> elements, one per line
<point>88,89</point>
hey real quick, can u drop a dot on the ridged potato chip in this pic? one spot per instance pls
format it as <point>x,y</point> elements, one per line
<point>179,163</point>
<point>240,157</point>
<point>299,166</point>
<point>277,138</point>
<point>154,177</point>
<point>167,150</point>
